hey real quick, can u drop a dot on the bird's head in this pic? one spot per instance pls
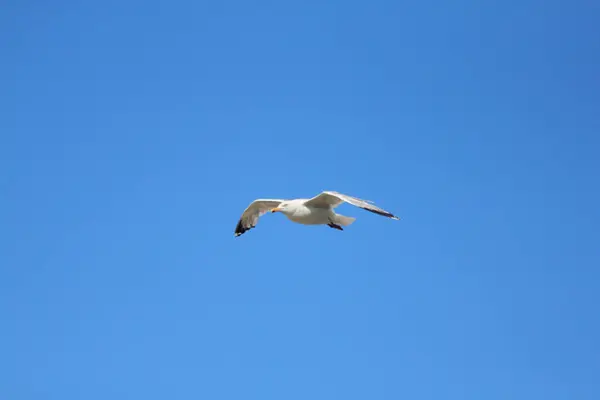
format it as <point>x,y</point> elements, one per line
<point>282,207</point>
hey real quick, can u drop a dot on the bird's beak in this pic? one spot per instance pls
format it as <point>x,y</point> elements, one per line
<point>276,209</point>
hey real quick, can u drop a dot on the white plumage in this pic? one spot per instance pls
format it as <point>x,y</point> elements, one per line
<point>315,211</point>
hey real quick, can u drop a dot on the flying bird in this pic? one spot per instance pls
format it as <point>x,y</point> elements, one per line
<point>315,211</point>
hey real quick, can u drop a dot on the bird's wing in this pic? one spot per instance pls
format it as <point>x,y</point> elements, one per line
<point>334,199</point>
<point>250,216</point>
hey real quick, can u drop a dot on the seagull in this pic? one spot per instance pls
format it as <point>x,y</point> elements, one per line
<point>315,211</point>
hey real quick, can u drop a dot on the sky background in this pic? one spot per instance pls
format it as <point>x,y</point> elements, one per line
<point>134,133</point>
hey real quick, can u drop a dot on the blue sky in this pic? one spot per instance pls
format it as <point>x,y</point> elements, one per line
<point>133,134</point>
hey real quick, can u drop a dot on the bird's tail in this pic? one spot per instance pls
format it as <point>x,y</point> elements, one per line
<point>343,220</point>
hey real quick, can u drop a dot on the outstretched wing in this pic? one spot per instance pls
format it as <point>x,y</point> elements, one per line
<point>334,199</point>
<point>254,211</point>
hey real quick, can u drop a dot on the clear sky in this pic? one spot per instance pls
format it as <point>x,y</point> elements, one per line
<point>134,133</point>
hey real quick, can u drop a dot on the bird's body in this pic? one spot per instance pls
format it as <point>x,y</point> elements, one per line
<point>316,211</point>
<point>302,214</point>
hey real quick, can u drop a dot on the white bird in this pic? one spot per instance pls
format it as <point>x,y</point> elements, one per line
<point>315,211</point>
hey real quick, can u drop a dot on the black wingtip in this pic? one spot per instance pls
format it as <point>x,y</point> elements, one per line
<point>382,213</point>
<point>240,229</point>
